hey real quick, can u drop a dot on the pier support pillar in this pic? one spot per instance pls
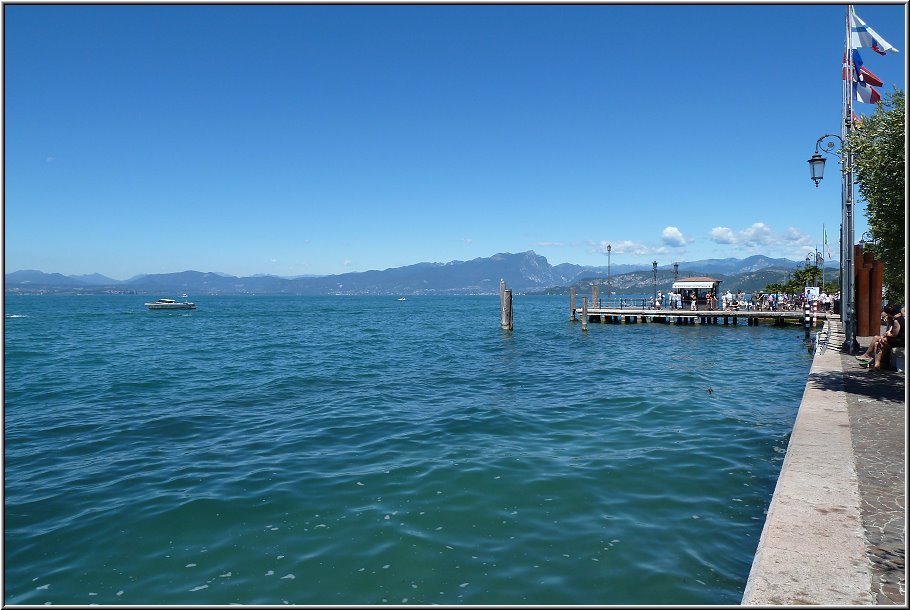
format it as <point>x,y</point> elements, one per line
<point>584,314</point>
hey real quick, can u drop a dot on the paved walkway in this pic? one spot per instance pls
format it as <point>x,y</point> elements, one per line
<point>876,403</point>
<point>835,529</point>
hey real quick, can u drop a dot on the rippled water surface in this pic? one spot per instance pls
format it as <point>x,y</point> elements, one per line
<point>365,450</point>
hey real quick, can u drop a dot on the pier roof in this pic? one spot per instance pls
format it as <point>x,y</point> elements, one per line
<point>696,282</point>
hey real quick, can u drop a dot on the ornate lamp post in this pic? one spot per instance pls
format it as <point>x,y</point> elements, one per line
<point>808,258</point>
<point>816,173</point>
<point>675,280</point>
<point>609,278</point>
<point>655,282</point>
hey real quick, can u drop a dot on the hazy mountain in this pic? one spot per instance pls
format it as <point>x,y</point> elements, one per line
<point>523,272</point>
<point>95,279</point>
<point>30,277</point>
<point>732,265</point>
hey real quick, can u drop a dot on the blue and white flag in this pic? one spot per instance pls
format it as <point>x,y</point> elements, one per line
<point>861,35</point>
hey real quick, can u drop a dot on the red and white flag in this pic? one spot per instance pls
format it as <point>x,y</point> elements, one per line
<point>860,72</point>
<point>865,93</point>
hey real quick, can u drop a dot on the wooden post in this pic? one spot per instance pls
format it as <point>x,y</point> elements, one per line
<point>505,306</point>
<point>584,314</point>
<point>572,303</point>
<point>861,294</point>
<point>507,309</point>
<point>875,297</point>
<point>595,296</point>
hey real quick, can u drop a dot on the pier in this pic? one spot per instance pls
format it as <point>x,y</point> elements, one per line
<point>616,315</point>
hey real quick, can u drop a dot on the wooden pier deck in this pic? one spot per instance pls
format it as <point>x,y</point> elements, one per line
<point>616,315</point>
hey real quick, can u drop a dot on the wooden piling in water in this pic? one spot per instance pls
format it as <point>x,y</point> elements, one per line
<point>584,314</point>
<point>572,303</point>
<point>505,306</point>
<point>595,296</point>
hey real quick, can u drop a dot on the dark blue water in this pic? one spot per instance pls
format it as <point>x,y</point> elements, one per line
<point>364,450</point>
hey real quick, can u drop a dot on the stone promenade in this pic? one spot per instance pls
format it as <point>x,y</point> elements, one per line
<point>835,529</point>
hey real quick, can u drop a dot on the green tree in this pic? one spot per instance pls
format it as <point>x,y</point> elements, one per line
<point>878,155</point>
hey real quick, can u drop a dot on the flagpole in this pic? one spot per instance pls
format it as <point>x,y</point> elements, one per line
<point>847,263</point>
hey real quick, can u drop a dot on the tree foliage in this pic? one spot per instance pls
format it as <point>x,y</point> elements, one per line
<point>811,276</point>
<point>878,153</point>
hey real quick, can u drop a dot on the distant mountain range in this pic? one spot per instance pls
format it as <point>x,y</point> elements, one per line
<point>526,272</point>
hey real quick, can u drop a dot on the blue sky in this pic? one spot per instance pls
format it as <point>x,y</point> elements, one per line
<point>303,139</point>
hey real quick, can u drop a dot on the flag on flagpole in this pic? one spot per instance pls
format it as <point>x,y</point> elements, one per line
<point>860,72</point>
<point>861,35</point>
<point>869,78</point>
<point>828,248</point>
<point>865,93</point>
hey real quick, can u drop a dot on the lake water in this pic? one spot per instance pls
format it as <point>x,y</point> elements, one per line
<point>365,450</point>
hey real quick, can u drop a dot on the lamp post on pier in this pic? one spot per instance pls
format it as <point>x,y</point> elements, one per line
<point>609,278</point>
<point>808,256</point>
<point>816,173</point>
<point>655,282</point>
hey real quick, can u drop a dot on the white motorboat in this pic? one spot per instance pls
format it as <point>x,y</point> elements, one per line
<point>170,304</point>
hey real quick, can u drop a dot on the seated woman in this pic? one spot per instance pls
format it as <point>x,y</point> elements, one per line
<point>866,357</point>
<point>894,337</point>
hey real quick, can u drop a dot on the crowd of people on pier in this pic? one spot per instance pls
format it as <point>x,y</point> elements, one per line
<point>739,301</point>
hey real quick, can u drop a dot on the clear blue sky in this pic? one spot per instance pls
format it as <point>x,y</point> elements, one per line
<point>303,139</point>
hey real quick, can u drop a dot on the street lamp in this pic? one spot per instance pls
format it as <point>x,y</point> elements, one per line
<point>816,172</point>
<point>816,168</point>
<point>655,282</point>
<point>808,258</point>
<point>609,279</point>
<point>817,161</point>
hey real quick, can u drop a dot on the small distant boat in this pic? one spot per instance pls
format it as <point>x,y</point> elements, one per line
<point>402,299</point>
<point>170,304</point>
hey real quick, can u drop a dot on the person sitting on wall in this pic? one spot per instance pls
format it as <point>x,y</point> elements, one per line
<point>866,357</point>
<point>881,346</point>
